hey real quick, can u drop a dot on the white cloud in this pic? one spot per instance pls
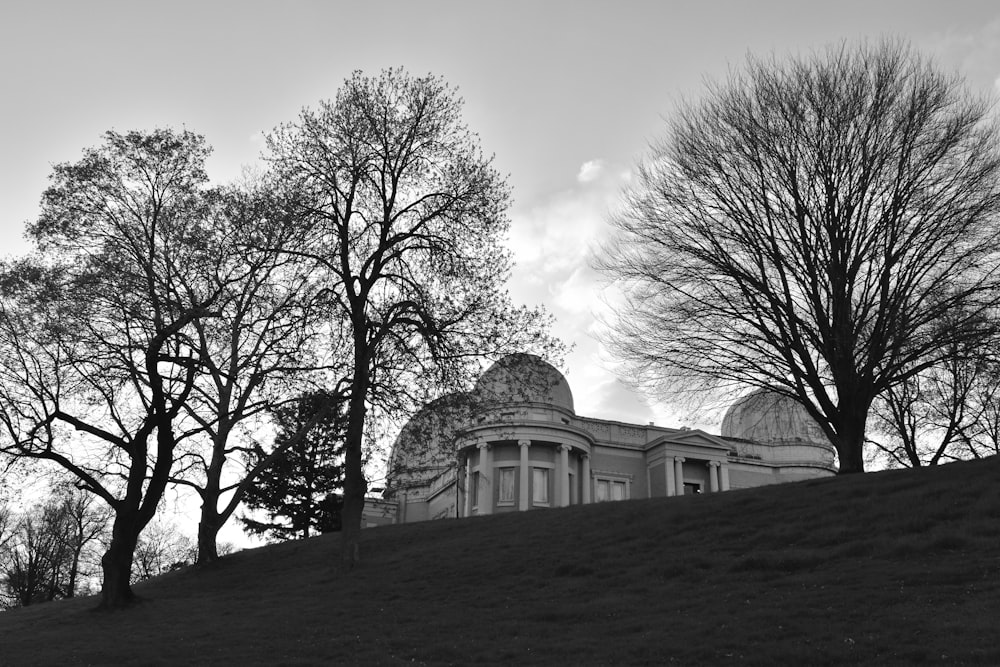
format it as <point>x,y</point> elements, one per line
<point>590,171</point>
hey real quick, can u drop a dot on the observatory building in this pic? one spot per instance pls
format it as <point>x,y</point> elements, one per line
<point>515,443</point>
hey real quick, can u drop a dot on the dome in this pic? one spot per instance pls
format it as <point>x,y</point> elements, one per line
<point>428,437</point>
<point>525,378</point>
<point>767,417</point>
<point>426,444</point>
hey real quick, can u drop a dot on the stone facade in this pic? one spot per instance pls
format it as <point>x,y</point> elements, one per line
<point>516,443</point>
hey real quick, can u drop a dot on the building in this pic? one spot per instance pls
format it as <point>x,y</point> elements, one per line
<point>516,443</point>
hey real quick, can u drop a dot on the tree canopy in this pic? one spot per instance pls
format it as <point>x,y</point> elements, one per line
<point>96,341</point>
<point>407,222</point>
<point>823,226</point>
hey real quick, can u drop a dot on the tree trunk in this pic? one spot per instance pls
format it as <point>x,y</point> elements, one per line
<point>354,505</point>
<point>354,475</point>
<point>211,520</point>
<point>208,535</point>
<point>851,438</point>
<point>74,567</point>
<point>116,589</point>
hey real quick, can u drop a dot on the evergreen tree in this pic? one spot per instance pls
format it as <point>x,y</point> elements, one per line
<point>302,491</point>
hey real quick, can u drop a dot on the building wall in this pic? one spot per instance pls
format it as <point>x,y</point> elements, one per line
<point>624,462</point>
<point>443,504</point>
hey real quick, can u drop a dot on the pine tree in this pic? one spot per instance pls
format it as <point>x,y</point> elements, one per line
<point>302,492</point>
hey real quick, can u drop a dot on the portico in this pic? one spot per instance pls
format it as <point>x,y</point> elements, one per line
<point>504,474</point>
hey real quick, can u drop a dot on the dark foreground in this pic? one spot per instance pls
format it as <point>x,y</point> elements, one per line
<point>887,568</point>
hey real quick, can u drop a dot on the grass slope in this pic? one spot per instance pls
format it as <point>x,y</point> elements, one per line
<point>889,568</point>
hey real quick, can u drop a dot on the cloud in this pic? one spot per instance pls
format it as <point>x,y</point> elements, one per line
<point>590,171</point>
<point>554,236</point>
<point>973,53</point>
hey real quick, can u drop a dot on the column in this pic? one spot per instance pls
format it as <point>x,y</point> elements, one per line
<point>524,483</point>
<point>468,485</point>
<point>724,476</point>
<point>562,473</point>
<point>485,479</point>
<point>585,480</point>
<point>679,475</point>
<point>668,472</point>
<point>713,476</point>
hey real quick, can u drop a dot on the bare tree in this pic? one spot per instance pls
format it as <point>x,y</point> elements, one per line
<point>808,227</point>
<point>985,398</point>
<point>6,527</point>
<point>944,413</point>
<point>263,343</point>
<point>33,571</point>
<point>41,556</point>
<point>85,522</point>
<point>161,548</point>
<point>407,219</point>
<point>96,341</point>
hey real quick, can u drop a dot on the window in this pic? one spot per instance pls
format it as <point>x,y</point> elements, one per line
<point>611,486</point>
<point>506,486</point>
<point>474,491</point>
<point>540,486</point>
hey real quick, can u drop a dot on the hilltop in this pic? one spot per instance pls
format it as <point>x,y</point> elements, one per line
<point>896,567</point>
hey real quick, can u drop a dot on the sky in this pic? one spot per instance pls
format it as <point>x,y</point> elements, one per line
<point>567,96</point>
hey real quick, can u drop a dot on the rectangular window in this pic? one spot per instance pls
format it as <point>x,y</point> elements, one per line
<point>606,488</point>
<point>474,491</point>
<point>540,485</point>
<point>506,486</point>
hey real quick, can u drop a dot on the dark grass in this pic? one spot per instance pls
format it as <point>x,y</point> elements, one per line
<point>887,568</point>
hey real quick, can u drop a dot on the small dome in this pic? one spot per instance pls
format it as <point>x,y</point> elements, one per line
<point>525,378</point>
<point>426,444</point>
<point>770,418</point>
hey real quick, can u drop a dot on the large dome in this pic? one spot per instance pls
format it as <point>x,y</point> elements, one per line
<point>766,417</point>
<point>525,378</point>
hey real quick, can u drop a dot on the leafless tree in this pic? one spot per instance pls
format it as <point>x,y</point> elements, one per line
<point>807,227</point>
<point>96,341</point>
<point>163,547</point>
<point>944,413</point>
<point>407,219</point>
<point>43,550</point>
<point>85,522</point>
<point>269,337</point>
<point>34,561</point>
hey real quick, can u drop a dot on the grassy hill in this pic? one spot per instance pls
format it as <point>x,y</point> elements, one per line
<point>889,568</point>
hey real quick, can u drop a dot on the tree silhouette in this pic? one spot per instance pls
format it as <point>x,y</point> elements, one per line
<point>809,227</point>
<point>96,353</point>
<point>301,492</point>
<point>407,221</point>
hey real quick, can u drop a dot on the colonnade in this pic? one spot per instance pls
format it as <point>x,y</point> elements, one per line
<point>718,478</point>
<point>718,475</point>
<point>562,481</point>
